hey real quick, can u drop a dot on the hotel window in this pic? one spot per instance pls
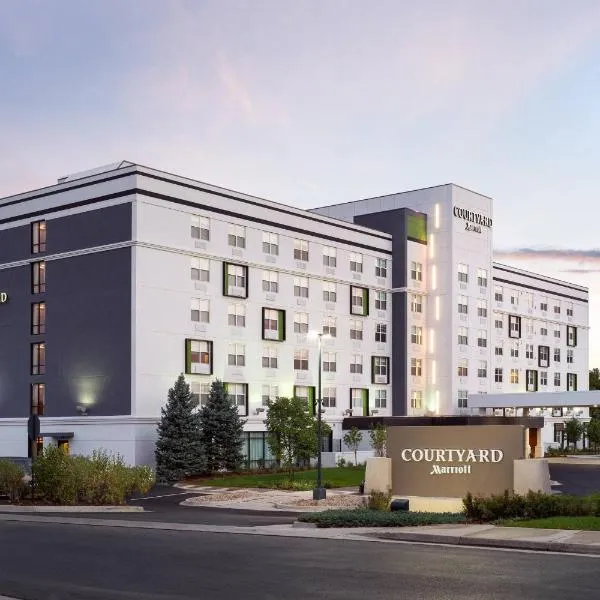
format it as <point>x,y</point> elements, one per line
<point>38,399</point>
<point>38,277</point>
<point>498,293</point>
<point>329,291</point>
<point>38,318</point>
<point>237,236</point>
<point>463,367</point>
<point>557,379</point>
<point>544,304</point>
<point>270,393</point>
<point>544,329</point>
<point>557,307</point>
<point>301,250</point>
<point>529,326</point>
<point>463,273</point>
<point>329,256</point>
<point>356,329</point>
<point>571,382</point>
<point>416,303</point>
<point>543,356</point>
<point>198,357</point>
<point>236,355</point>
<point>416,367</point>
<point>38,237</point>
<point>514,375</point>
<point>307,394</point>
<point>200,312</point>
<point>301,360</point>
<point>569,309</point>
<point>463,396</point>
<point>531,380</point>
<point>499,351</point>
<point>514,326</point>
<point>482,277</point>
<point>301,323</point>
<point>380,369</point>
<point>330,326</point>
<point>416,399</point>
<point>301,287</point>
<point>238,394</point>
<point>514,298</point>
<point>463,306</point>
<point>558,431</point>
<point>482,339</point>
<point>380,300</point>
<point>356,262</point>
<point>556,355</point>
<point>329,362</point>
<point>571,336</point>
<point>416,335</point>
<point>498,324</point>
<point>270,243</point>
<point>236,315</point>
<point>529,351</point>
<point>416,271</point>
<point>380,398</point>
<point>359,301</point>
<point>270,282</point>
<point>359,398</point>
<point>269,357</point>
<point>570,357</point>
<point>381,332</point>
<point>200,269</point>
<point>498,375</point>
<point>482,369</point>
<point>482,308</point>
<point>463,336</point>
<point>557,331</point>
<point>514,350</point>
<point>38,358</point>
<point>380,267</point>
<point>273,324</point>
<point>235,280</point>
<point>356,364</point>
<point>329,399</point>
<point>544,378</point>
<point>200,228</point>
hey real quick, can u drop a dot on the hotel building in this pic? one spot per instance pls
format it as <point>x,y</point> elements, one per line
<point>114,281</point>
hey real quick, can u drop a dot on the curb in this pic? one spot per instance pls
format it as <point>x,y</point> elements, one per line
<point>70,509</point>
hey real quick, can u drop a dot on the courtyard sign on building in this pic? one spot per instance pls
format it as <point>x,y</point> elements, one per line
<point>473,221</point>
<point>3,297</point>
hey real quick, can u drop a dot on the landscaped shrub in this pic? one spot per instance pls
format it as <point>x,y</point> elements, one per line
<point>533,505</point>
<point>380,500</point>
<point>363,517</point>
<point>11,480</point>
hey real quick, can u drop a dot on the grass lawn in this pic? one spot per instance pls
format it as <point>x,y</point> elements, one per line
<point>583,523</point>
<point>335,476</point>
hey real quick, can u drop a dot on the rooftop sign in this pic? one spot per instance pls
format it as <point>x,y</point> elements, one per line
<point>473,221</point>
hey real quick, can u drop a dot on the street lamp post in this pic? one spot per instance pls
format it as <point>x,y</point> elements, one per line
<point>319,492</point>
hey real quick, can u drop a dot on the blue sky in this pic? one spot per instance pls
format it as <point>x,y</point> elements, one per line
<point>313,102</point>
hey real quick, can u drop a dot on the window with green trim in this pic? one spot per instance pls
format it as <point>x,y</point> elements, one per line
<point>198,357</point>
<point>359,301</point>
<point>235,280</point>
<point>359,400</point>
<point>380,369</point>
<point>273,324</point>
<point>307,394</point>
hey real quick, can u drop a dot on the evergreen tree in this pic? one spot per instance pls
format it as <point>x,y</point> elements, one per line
<point>222,431</point>
<point>179,450</point>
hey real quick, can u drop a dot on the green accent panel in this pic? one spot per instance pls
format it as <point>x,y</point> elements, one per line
<point>366,302</point>
<point>281,325</point>
<point>416,227</point>
<point>225,277</point>
<point>188,356</point>
<point>311,401</point>
<point>365,401</point>
<point>372,369</point>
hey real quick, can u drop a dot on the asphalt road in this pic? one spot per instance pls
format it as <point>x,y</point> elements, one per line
<point>45,561</point>
<point>578,480</point>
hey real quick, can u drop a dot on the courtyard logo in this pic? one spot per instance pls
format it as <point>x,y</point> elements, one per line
<point>3,297</point>
<point>473,221</point>
<point>446,455</point>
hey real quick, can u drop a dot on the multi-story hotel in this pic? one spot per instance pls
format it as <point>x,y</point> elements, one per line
<point>114,281</point>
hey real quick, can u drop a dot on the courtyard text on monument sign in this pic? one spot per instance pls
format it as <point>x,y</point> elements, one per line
<point>467,457</point>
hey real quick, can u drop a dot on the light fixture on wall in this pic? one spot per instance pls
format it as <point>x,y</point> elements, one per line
<point>348,412</point>
<point>260,409</point>
<point>82,410</point>
<point>374,412</point>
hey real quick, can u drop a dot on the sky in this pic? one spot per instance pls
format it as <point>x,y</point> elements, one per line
<point>315,102</point>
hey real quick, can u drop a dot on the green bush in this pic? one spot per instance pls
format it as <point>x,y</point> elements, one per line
<point>103,478</point>
<point>533,505</point>
<point>363,517</point>
<point>11,480</point>
<point>380,500</point>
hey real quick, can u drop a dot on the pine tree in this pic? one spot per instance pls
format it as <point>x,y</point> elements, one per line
<point>179,451</point>
<point>222,431</point>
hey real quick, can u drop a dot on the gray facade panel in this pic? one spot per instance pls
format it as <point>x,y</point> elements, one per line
<point>15,244</point>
